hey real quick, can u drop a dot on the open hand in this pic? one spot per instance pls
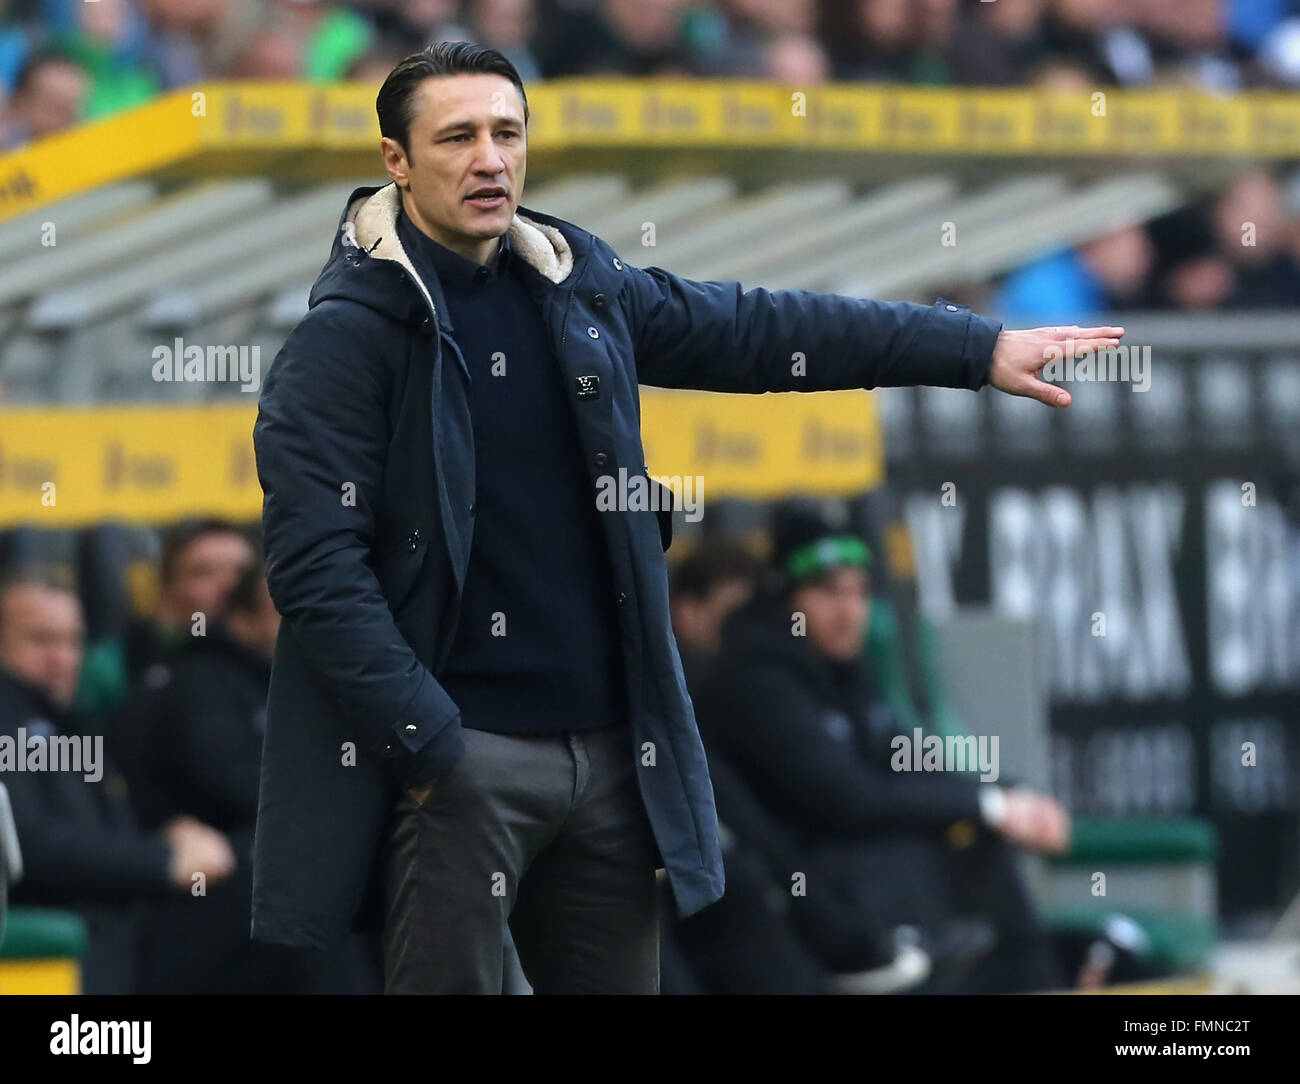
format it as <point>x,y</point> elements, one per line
<point>1019,356</point>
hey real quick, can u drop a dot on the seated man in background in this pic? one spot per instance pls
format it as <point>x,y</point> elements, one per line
<point>199,564</point>
<point>82,848</point>
<point>746,941</point>
<point>792,705</point>
<point>190,743</point>
<point>191,737</point>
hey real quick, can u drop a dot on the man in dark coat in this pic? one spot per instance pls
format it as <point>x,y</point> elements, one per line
<point>191,741</point>
<point>81,845</point>
<point>792,703</point>
<point>468,735</point>
<point>190,744</point>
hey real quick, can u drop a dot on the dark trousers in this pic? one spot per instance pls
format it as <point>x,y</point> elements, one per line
<point>545,833</point>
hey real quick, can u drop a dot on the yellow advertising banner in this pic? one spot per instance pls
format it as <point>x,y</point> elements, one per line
<point>185,129</point>
<point>71,467</point>
<point>148,464</point>
<point>763,446</point>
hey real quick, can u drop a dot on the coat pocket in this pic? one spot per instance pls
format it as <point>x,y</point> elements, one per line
<point>663,501</point>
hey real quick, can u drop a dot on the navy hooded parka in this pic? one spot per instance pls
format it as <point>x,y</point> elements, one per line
<point>366,458</point>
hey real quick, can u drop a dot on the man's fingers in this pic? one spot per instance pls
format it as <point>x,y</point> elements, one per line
<point>1075,347</point>
<point>1081,345</point>
<point>1073,331</point>
<point>1033,388</point>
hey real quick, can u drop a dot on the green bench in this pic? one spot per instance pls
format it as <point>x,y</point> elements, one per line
<point>40,952</point>
<point>1160,873</point>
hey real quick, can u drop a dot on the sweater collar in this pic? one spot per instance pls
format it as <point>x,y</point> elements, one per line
<point>452,269</point>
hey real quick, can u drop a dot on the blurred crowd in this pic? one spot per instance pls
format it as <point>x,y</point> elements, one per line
<point>1239,249</point>
<point>154,855</point>
<point>844,874</point>
<point>62,61</point>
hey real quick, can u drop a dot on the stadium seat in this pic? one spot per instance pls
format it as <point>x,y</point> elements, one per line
<point>41,952</point>
<point>1159,874</point>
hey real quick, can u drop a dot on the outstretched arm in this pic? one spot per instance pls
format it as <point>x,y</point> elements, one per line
<point>717,336</point>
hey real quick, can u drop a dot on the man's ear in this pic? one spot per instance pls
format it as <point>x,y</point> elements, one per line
<point>395,162</point>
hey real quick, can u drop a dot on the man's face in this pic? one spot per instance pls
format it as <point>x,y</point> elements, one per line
<point>208,568</point>
<point>42,639</point>
<point>55,99</point>
<point>465,158</point>
<point>836,610</point>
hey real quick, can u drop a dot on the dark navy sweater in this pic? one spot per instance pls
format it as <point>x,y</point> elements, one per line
<point>537,647</point>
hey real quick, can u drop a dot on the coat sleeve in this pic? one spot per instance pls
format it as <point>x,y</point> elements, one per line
<point>717,336</point>
<point>323,423</point>
<point>770,731</point>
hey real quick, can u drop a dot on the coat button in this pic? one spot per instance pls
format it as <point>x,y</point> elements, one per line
<point>593,333</point>
<point>952,308</point>
<point>411,728</point>
<point>600,459</point>
<point>618,264</point>
<point>622,598</point>
<point>388,748</point>
<point>599,301</point>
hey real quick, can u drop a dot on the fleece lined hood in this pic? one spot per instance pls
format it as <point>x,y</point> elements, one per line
<point>367,256</point>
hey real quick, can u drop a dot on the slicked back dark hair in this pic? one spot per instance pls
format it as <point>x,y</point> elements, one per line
<point>396,102</point>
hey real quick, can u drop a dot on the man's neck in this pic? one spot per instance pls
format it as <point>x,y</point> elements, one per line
<point>479,249</point>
